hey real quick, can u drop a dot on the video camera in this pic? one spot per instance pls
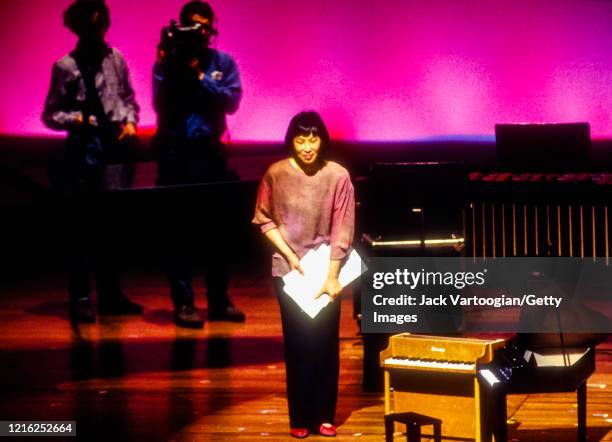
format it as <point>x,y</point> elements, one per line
<point>181,44</point>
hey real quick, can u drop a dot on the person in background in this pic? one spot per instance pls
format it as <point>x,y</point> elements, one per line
<point>305,201</point>
<point>92,99</point>
<point>194,88</point>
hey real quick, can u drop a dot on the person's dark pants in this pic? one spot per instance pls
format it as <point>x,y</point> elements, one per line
<point>81,261</point>
<point>312,361</point>
<point>80,180</point>
<point>180,263</point>
<point>184,162</point>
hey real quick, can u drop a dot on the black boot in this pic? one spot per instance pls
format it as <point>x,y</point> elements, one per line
<point>187,316</point>
<point>119,305</point>
<point>229,314</point>
<point>81,312</point>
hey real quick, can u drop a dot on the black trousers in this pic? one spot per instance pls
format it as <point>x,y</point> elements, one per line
<point>92,257</point>
<point>181,263</point>
<point>312,360</point>
<point>88,240</point>
<point>182,162</point>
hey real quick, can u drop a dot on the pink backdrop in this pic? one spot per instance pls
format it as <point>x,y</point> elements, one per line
<point>405,70</point>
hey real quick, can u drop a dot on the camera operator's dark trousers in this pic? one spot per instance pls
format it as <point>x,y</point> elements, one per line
<point>312,361</point>
<point>183,162</point>
<point>80,180</point>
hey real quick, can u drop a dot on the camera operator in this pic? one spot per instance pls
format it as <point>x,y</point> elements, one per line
<point>194,88</point>
<point>91,97</point>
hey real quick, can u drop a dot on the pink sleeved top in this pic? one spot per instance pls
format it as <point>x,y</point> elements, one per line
<point>307,210</point>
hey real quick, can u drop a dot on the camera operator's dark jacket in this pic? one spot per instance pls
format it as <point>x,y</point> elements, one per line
<point>188,108</point>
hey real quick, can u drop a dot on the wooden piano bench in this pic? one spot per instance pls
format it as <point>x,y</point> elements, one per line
<point>413,422</point>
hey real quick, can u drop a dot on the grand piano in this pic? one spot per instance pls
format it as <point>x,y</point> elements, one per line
<point>548,369</point>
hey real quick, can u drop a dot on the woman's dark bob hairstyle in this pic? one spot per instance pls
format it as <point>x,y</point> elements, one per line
<point>306,123</point>
<point>81,16</point>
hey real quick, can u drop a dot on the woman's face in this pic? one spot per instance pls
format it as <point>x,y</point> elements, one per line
<point>307,148</point>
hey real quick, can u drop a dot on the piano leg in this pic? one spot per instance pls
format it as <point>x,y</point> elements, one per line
<point>582,402</point>
<point>500,426</point>
<point>492,412</point>
<point>389,428</point>
<point>484,402</point>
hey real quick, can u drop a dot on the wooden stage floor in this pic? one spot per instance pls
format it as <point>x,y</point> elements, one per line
<point>143,379</point>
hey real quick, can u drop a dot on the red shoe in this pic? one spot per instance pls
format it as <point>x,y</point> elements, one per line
<point>299,433</point>
<point>327,430</point>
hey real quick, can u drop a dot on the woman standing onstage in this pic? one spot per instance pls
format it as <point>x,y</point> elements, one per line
<point>305,201</point>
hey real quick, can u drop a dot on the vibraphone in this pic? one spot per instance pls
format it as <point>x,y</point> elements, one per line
<point>539,214</point>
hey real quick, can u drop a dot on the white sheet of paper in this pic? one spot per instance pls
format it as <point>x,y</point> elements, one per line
<point>303,288</point>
